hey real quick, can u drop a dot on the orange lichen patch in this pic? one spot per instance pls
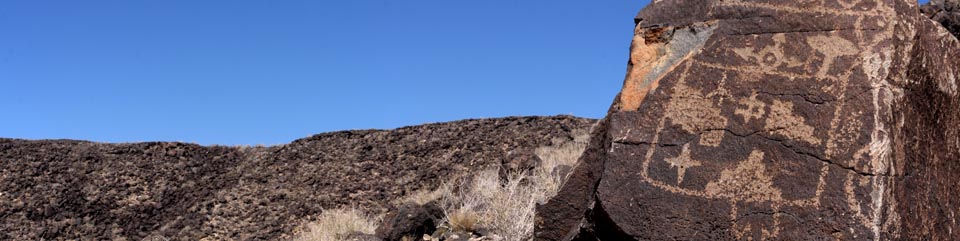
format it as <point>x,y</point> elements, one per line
<point>782,121</point>
<point>749,181</point>
<point>644,57</point>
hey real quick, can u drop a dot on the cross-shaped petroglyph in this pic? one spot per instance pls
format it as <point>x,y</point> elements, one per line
<point>682,162</point>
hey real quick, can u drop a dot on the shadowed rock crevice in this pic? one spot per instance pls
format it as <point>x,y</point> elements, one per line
<point>605,228</point>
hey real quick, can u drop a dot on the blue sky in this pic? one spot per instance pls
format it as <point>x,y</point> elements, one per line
<point>258,72</point>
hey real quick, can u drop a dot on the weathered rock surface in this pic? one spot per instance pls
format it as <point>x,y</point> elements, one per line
<point>410,220</point>
<point>945,12</point>
<point>774,119</point>
<point>518,161</point>
<point>60,189</point>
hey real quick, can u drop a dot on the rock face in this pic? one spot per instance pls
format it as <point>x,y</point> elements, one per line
<point>774,119</point>
<point>946,12</point>
<point>58,189</point>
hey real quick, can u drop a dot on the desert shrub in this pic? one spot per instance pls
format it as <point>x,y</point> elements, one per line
<point>505,208</point>
<point>565,153</point>
<point>336,224</point>
<point>463,220</point>
<point>426,195</point>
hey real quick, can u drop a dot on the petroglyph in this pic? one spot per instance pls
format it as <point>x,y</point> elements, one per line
<point>770,58</point>
<point>752,108</point>
<point>831,46</point>
<point>749,181</point>
<point>782,121</point>
<point>814,88</point>
<point>695,113</point>
<point>795,9</point>
<point>682,162</point>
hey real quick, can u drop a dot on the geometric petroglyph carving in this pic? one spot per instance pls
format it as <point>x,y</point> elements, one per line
<point>682,162</point>
<point>696,114</point>
<point>754,109</point>
<point>838,98</point>
<point>749,181</point>
<point>783,121</point>
<point>770,58</point>
<point>831,47</point>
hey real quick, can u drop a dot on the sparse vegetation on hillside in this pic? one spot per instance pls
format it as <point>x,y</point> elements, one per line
<point>503,208</point>
<point>337,224</point>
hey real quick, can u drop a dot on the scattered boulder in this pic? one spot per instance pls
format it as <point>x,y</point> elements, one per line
<point>774,119</point>
<point>445,233</point>
<point>945,12</point>
<point>410,220</point>
<point>519,161</point>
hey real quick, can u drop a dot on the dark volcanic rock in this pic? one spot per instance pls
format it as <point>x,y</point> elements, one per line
<point>410,220</point>
<point>61,189</point>
<point>519,161</point>
<point>945,12</point>
<point>774,119</point>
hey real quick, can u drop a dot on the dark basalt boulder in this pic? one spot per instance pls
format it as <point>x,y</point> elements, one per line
<point>410,220</point>
<point>945,12</point>
<point>774,119</point>
<point>520,161</point>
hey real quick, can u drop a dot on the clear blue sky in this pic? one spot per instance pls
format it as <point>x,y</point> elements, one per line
<point>268,72</point>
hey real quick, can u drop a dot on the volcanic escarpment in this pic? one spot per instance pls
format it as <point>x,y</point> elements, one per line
<point>774,119</point>
<point>62,189</point>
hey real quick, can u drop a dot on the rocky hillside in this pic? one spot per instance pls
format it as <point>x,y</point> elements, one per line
<point>63,189</point>
<point>775,120</point>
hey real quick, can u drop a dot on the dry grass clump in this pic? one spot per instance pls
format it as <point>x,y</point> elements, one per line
<point>463,220</point>
<point>425,196</point>
<point>564,154</point>
<point>505,208</point>
<point>336,224</point>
